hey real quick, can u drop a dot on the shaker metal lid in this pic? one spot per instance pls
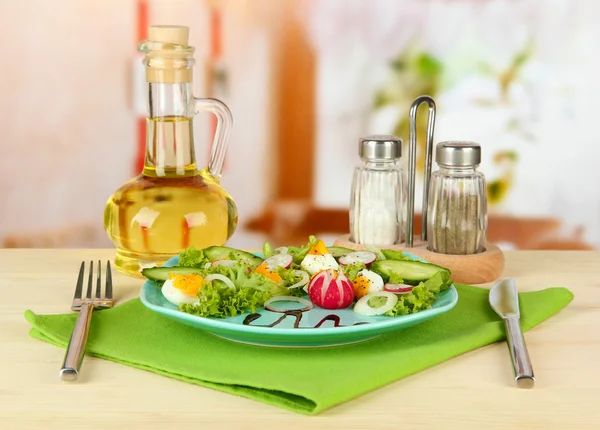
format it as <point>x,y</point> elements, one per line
<point>458,154</point>
<point>380,147</point>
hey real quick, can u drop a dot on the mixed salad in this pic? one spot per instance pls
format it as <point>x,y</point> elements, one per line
<point>221,282</point>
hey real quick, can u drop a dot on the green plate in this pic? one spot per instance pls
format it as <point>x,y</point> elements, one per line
<point>352,327</point>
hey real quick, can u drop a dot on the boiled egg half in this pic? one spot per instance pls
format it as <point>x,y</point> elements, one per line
<point>179,289</point>
<point>366,282</point>
<point>318,258</point>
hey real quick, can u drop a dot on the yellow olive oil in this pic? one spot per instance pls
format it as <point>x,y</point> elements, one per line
<point>170,206</point>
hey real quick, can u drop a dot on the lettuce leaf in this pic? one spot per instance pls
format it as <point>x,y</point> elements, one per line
<point>391,254</point>
<point>395,279</point>
<point>290,278</point>
<point>243,276</point>
<point>218,300</point>
<point>300,253</point>
<point>268,250</point>
<point>351,270</point>
<point>422,296</point>
<point>222,302</point>
<point>192,257</point>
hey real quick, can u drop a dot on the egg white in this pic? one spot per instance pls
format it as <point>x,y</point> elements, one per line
<point>176,296</point>
<point>375,281</point>
<point>314,263</point>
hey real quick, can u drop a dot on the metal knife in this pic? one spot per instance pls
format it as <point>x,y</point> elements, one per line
<point>505,301</point>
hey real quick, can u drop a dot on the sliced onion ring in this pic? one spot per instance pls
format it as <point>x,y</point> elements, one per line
<point>302,282</point>
<point>220,277</point>
<point>308,305</point>
<point>362,305</point>
<point>279,260</point>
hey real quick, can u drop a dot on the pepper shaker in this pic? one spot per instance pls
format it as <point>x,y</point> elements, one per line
<point>457,206</point>
<point>378,190</point>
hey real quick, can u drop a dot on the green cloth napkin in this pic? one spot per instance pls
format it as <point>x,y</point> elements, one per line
<point>303,380</point>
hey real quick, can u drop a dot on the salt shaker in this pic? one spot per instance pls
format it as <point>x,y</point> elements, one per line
<point>457,204</point>
<point>378,192</point>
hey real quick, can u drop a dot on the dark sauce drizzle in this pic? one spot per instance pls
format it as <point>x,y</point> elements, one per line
<point>298,315</point>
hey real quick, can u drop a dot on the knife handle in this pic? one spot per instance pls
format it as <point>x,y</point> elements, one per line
<point>76,349</point>
<point>518,351</point>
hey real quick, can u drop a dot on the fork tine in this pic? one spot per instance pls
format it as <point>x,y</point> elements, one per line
<point>108,292</point>
<point>98,291</point>
<point>79,287</point>
<point>90,279</point>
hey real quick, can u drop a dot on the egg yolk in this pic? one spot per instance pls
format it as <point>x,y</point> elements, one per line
<point>263,269</point>
<point>187,284</point>
<point>319,249</point>
<point>361,286</point>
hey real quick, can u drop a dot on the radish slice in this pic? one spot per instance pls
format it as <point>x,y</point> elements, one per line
<point>282,260</point>
<point>302,282</point>
<point>220,277</point>
<point>281,250</point>
<point>224,263</point>
<point>307,305</point>
<point>364,257</point>
<point>398,288</point>
<point>362,305</point>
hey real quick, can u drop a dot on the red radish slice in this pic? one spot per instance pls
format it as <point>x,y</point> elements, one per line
<point>224,263</point>
<point>281,250</point>
<point>398,288</point>
<point>282,260</point>
<point>364,257</point>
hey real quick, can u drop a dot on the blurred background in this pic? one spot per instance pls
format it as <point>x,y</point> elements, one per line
<point>304,80</point>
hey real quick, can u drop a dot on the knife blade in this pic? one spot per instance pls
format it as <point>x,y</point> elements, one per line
<point>505,302</point>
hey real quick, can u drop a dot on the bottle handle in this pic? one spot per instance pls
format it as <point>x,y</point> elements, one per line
<point>412,159</point>
<point>218,149</point>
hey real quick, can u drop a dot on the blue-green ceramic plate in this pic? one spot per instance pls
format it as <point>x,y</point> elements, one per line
<point>305,335</point>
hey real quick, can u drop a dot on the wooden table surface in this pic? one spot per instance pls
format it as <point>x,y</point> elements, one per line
<point>473,391</point>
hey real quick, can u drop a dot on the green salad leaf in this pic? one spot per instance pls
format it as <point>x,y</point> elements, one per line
<point>218,300</point>
<point>300,252</point>
<point>243,276</point>
<point>422,296</point>
<point>395,278</point>
<point>222,302</point>
<point>391,254</point>
<point>351,270</point>
<point>268,251</point>
<point>290,277</point>
<point>192,257</point>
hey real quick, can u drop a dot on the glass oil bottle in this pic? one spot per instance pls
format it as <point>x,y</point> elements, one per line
<point>172,204</point>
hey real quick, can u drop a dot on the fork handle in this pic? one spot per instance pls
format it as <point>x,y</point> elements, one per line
<point>76,348</point>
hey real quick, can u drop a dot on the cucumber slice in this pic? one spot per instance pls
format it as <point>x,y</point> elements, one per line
<point>338,251</point>
<point>220,252</point>
<point>161,274</point>
<point>410,271</point>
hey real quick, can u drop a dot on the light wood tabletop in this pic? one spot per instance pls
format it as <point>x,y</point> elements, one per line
<point>472,391</point>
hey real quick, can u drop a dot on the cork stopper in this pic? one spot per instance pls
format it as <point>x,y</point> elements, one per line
<point>168,56</point>
<point>177,34</point>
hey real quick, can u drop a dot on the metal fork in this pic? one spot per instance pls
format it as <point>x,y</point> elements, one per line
<point>85,306</point>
